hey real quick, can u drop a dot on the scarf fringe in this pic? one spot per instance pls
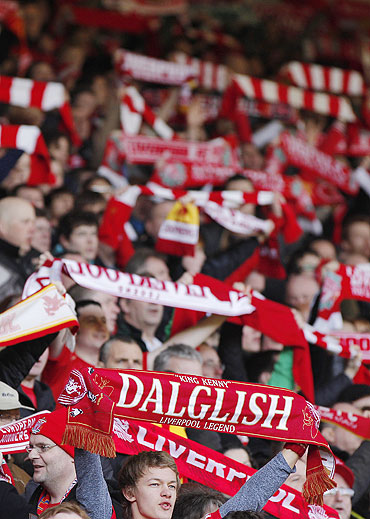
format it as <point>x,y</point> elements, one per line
<point>315,486</point>
<point>95,442</point>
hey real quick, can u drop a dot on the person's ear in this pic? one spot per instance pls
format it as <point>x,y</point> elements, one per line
<point>123,304</point>
<point>129,494</point>
<point>63,241</point>
<point>329,434</point>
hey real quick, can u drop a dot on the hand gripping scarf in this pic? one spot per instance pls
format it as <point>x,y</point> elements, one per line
<point>97,396</point>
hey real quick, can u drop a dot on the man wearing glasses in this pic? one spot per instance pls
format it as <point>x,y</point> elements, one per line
<point>53,465</point>
<point>340,497</point>
<point>59,478</point>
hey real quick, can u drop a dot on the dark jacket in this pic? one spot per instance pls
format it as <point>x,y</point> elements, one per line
<point>12,505</point>
<point>16,361</point>
<point>14,269</point>
<point>34,499</point>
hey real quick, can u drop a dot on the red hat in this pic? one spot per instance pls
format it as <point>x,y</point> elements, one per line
<point>344,471</point>
<point>52,426</point>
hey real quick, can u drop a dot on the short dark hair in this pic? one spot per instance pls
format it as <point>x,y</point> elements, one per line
<point>55,193</point>
<point>353,392</point>
<point>87,197</point>
<point>74,219</point>
<point>246,514</point>
<point>53,136</point>
<point>355,218</point>
<point>105,349</point>
<point>195,500</point>
<point>135,265</point>
<point>85,302</point>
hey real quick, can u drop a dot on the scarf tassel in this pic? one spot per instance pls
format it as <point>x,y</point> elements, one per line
<point>317,478</point>
<point>92,441</point>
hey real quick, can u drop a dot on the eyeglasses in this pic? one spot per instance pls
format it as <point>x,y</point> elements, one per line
<point>8,418</point>
<point>341,491</point>
<point>40,449</point>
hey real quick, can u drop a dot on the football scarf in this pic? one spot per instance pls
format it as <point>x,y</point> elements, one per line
<point>273,92</point>
<point>324,79</point>
<point>39,94</point>
<point>96,396</point>
<point>144,68</point>
<point>134,110</point>
<point>346,282</point>
<point>206,466</point>
<point>42,313</point>
<point>316,163</point>
<point>356,424</point>
<point>30,140</point>
<point>217,471</point>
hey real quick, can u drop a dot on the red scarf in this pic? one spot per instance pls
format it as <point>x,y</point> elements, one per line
<point>210,295</point>
<point>354,423</point>
<point>206,466</point>
<point>345,283</point>
<point>96,396</point>
<point>217,471</point>
<point>316,163</point>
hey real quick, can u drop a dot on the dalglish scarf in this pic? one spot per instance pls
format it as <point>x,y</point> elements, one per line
<point>96,396</point>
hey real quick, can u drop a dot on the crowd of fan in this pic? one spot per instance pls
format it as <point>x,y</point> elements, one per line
<point>124,333</point>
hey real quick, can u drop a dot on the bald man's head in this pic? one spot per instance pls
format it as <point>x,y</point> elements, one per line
<point>17,221</point>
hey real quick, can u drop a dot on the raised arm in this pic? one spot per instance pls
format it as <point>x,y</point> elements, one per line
<point>258,489</point>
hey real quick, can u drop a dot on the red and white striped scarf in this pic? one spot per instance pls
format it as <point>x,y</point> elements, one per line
<point>324,79</point>
<point>273,92</point>
<point>30,140</point>
<point>210,76</point>
<point>39,94</point>
<point>134,109</point>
